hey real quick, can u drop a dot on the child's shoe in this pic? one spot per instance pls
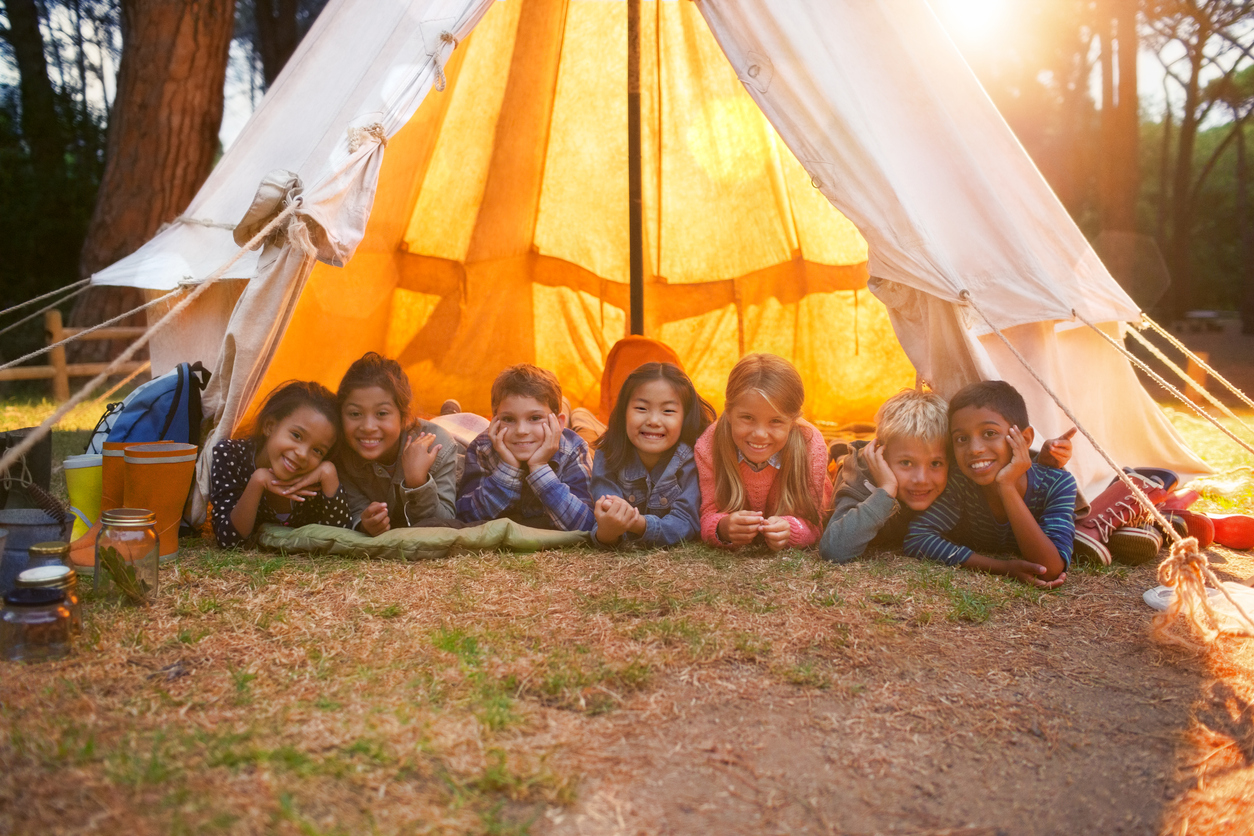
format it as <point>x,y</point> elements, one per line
<point>1191,524</point>
<point>1180,500</point>
<point>1113,509</point>
<point>1236,531</point>
<point>1135,544</point>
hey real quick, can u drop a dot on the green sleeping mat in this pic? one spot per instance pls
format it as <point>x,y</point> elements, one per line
<point>416,543</point>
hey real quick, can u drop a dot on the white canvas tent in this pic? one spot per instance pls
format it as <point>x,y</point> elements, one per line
<point>467,195</point>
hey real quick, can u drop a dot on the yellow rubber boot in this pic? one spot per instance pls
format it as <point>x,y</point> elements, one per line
<point>159,478</point>
<point>83,482</point>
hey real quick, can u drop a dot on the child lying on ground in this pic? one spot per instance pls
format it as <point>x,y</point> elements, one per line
<point>396,474</point>
<point>528,466</point>
<point>762,467</point>
<point>279,473</point>
<point>883,485</point>
<point>644,476</point>
<point>998,500</point>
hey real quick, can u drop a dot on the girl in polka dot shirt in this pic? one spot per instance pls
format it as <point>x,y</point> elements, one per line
<point>280,473</point>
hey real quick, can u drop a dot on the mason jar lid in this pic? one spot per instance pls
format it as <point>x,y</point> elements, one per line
<point>52,548</point>
<point>47,577</point>
<point>33,597</point>
<point>128,518</point>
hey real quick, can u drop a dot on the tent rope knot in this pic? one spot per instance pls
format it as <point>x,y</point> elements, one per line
<point>358,137</point>
<point>1186,571</point>
<point>446,38</point>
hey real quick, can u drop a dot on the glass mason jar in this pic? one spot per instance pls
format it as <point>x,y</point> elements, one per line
<point>127,554</point>
<point>51,553</point>
<point>34,625</point>
<point>63,579</point>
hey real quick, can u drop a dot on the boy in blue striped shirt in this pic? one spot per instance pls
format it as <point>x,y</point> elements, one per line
<point>527,466</point>
<point>997,500</point>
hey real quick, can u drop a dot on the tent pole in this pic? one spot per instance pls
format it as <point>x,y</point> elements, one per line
<point>634,171</point>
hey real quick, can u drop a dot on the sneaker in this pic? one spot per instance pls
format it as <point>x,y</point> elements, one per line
<point>450,407</point>
<point>1113,509</point>
<point>1181,500</point>
<point>1192,524</point>
<point>1236,531</point>
<point>1135,544</point>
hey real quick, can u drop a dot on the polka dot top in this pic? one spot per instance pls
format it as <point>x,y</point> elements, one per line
<point>234,462</point>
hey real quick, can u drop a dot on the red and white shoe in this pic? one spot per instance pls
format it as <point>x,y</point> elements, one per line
<point>1236,531</point>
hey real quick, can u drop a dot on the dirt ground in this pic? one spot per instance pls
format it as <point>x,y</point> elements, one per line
<point>1064,727</point>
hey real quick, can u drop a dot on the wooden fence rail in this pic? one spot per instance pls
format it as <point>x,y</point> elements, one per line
<point>60,371</point>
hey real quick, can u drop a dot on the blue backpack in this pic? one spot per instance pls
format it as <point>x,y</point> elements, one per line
<point>166,408</point>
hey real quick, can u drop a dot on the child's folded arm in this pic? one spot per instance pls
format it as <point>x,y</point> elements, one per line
<point>682,521</point>
<point>854,524</point>
<point>927,538</point>
<point>565,496</point>
<point>321,509</point>
<point>1057,520</point>
<point>228,479</point>
<point>803,532</point>
<point>483,495</point>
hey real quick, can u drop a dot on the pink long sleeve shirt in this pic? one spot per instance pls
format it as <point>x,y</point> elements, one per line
<point>758,488</point>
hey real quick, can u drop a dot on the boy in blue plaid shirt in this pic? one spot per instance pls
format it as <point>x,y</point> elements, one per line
<point>527,466</point>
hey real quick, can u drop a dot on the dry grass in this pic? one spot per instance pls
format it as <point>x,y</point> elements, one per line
<point>490,693</point>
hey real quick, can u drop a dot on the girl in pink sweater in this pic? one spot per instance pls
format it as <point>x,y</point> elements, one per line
<point>762,468</point>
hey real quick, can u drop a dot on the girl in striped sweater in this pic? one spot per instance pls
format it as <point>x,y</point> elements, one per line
<point>762,467</point>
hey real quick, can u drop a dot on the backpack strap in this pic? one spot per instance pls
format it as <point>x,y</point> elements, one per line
<point>178,396</point>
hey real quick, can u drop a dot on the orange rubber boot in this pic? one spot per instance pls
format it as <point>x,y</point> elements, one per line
<point>159,478</point>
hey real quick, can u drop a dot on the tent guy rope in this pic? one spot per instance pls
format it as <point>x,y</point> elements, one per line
<point>1167,335</point>
<point>1184,570</point>
<point>1215,402</point>
<point>45,308</point>
<point>33,437</point>
<point>1141,364</point>
<point>20,305</point>
<point>80,334</point>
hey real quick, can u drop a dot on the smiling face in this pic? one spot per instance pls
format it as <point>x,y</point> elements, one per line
<point>981,443</point>
<point>654,420</point>
<point>524,418</point>
<point>297,444</point>
<point>921,468</point>
<point>372,423</point>
<point>758,429</point>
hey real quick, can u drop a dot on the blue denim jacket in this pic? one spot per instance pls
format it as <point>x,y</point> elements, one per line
<point>669,497</point>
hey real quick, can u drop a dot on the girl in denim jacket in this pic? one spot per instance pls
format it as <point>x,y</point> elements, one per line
<point>644,477</point>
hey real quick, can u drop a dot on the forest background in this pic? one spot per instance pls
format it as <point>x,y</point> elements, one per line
<point>1158,180</point>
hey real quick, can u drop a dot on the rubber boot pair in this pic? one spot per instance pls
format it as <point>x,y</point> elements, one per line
<point>1116,509</point>
<point>155,475</point>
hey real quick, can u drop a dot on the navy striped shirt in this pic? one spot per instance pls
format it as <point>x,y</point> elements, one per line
<point>960,522</point>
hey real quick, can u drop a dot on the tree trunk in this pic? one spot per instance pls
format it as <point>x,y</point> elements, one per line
<point>163,136</point>
<point>277,35</point>
<point>1119,175</point>
<point>1178,250</point>
<point>40,126</point>
<point>1247,234</point>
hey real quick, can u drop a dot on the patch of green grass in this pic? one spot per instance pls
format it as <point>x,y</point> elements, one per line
<point>750,647</point>
<point>243,686</point>
<point>134,765</point>
<point>586,682</point>
<point>970,606</point>
<point>806,674</point>
<point>390,611</point>
<point>675,632</point>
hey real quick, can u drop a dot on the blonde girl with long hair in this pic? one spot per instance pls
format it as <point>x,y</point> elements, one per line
<point>762,467</point>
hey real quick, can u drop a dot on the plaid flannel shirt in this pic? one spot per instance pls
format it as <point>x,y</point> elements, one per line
<point>491,489</point>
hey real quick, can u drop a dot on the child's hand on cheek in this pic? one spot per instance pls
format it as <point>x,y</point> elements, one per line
<point>496,432</point>
<point>740,527</point>
<point>375,520</point>
<point>881,473</point>
<point>417,458</point>
<point>777,532</point>
<point>549,446</point>
<point>1020,459</point>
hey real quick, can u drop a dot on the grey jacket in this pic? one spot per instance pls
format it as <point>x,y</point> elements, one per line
<point>366,482</point>
<point>863,513</point>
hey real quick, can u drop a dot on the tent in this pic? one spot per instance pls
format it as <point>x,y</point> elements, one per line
<point>823,179</point>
